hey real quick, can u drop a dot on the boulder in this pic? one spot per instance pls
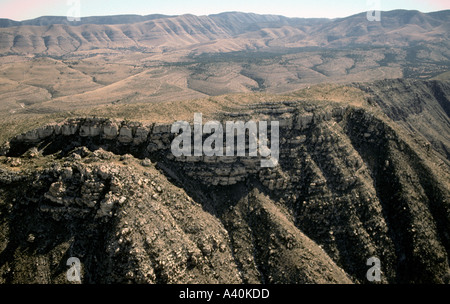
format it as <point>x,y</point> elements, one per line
<point>125,135</point>
<point>304,120</point>
<point>68,129</point>
<point>141,135</point>
<point>45,132</point>
<point>110,131</point>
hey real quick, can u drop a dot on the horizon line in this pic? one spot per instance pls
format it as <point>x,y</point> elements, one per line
<point>224,12</point>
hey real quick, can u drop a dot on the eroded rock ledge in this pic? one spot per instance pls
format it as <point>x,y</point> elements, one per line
<point>155,139</point>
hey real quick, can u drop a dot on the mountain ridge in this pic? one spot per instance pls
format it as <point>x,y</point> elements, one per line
<point>134,18</point>
<point>153,32</point>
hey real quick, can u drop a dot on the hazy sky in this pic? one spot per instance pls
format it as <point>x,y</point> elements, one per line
<point>28,9</point>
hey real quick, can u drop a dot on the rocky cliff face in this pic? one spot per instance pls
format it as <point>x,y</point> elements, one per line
<point>349,186</point>
<point>421,107</point>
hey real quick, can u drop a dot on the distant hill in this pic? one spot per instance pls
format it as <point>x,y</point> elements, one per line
<point>156,58</point>
<point>233,31</point>
<point>104,20</point>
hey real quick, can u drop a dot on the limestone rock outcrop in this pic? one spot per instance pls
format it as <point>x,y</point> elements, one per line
<point>349,185</point>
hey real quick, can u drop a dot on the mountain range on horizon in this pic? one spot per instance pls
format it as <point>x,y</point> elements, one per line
<point>155,58</point>
<point>224,32</point>
<point>134,18</point>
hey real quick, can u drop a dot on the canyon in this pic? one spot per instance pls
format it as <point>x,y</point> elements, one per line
<point>351,184</point>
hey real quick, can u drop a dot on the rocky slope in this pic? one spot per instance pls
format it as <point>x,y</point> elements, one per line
<point>350,185</point>
<point>421,107</point>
